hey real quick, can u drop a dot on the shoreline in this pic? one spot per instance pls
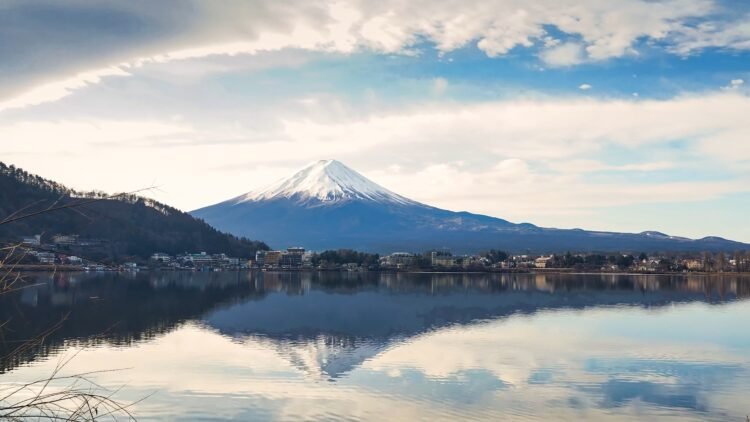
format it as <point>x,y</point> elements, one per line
<point>550,271</point>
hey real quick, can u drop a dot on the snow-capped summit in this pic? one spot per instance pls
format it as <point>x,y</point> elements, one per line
<point>324,181</point>
<point>327,205</point>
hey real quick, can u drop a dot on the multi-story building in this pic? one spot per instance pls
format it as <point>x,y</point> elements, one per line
<point>296,250</point>
<point>65,239</point>
<point>161,257</point>
<point>45,257</point>
<point>260,258</point>
<point>272,259</point>
<point>292,258</point>
<point>35,240</point>
<point>694,264</point>
<point>399,259</point>
<point>543,261</point>
<point>199,260</point>
<point>443,259</point>
<point>307,259</point>
<point>74,260</point>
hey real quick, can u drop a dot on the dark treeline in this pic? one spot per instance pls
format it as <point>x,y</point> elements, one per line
<point>495,258</point>
<point>592,261</point>
<point>113,229</point>
<point>345,256</point>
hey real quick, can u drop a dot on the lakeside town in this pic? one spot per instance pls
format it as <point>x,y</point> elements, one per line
<point>56,254</point>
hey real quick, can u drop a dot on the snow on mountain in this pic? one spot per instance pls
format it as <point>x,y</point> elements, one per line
<point>326,182</point>
<point>327,205</point>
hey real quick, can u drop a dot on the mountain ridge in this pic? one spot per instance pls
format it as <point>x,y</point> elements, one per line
<point>316,208</point>
<point>127,226</point>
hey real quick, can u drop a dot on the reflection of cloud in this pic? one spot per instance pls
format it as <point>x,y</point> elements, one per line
<point>527,366</point>
<point>621,392</point>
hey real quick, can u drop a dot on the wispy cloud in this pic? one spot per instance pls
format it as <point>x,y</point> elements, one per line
<point>55,90</point>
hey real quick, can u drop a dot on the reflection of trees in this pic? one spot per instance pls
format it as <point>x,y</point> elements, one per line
<point>110,308</point>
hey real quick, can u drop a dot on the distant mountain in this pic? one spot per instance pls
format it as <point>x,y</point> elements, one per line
<point>129,226</point>
<point>327,205</point>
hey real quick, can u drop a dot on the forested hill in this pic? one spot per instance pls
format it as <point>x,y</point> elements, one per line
<point>111,229</point>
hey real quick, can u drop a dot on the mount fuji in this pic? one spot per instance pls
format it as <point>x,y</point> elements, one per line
<point>327,205</point>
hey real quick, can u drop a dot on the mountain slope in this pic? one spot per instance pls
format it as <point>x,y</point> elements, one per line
<point>327,205</point>
<point>129,226</point>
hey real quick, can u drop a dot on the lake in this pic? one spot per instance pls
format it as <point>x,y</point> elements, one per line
<point>371,346</point>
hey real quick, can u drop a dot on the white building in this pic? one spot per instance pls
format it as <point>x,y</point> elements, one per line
<point>35,240</point>
<point>74,260</point>
<point>161,257</point>
<point>45,257</point>
<point>543,261</point>
<point>399,259</point>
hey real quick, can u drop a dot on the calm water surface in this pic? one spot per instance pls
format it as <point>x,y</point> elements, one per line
<point>330,346</point>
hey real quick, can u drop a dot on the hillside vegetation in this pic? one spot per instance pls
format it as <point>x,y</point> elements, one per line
<point>110,229</point>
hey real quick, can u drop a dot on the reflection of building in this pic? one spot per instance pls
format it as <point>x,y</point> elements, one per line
<point>540,283</point>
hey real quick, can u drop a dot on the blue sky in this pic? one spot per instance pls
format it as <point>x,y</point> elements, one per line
<point>625,117</point>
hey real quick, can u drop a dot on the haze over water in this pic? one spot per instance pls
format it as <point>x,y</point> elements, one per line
<point>343,346</point>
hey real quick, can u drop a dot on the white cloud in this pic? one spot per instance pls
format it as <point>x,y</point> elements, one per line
<point>601,30</point>
<point>439,85</point>
<point>537,129</point>
<point>733,35</point>
<point>496,157</point>
<point>734,84</point>
<point>584,87</point>
<point>588,166</point>
<point>562,55</point>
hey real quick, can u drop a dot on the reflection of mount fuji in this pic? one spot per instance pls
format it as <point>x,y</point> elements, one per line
<point>325,324</point>
<point>324,356</point>
<point>327,329</point>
